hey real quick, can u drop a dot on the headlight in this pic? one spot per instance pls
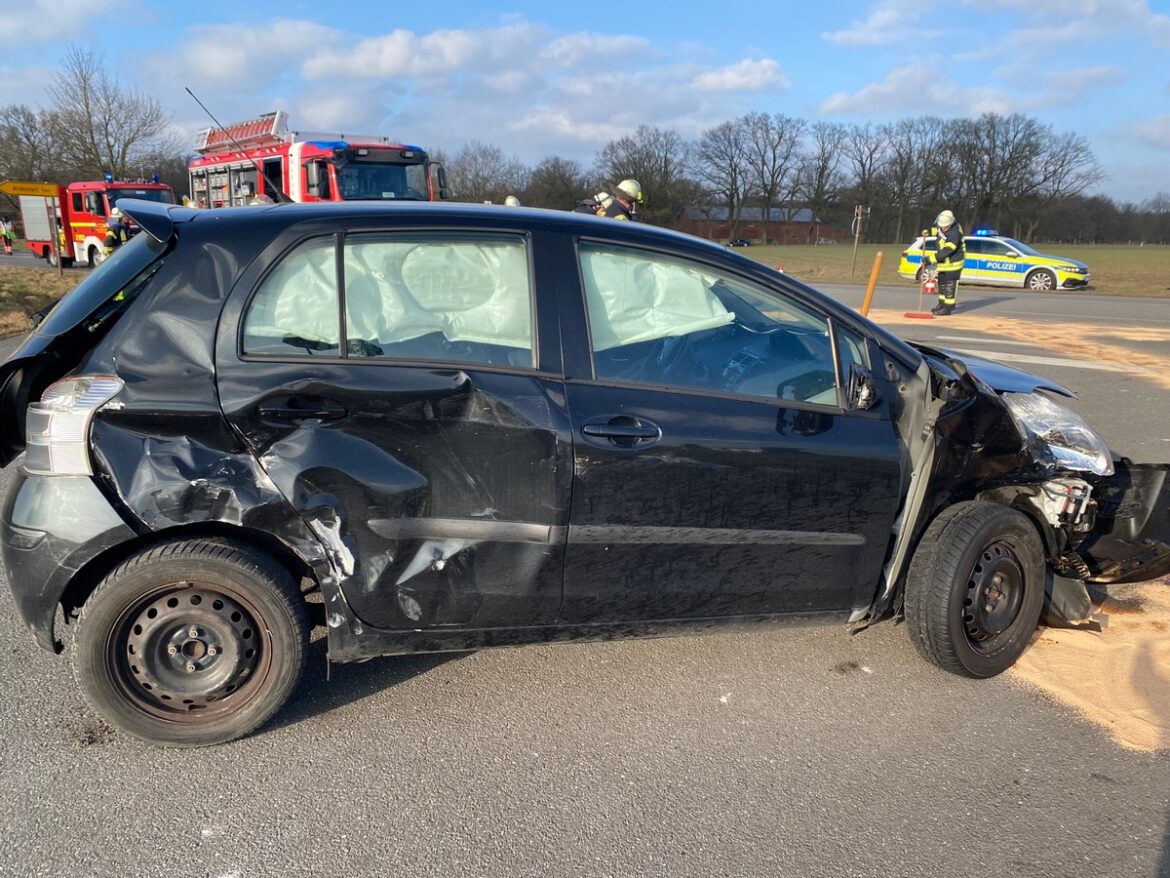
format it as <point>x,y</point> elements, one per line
<point>1060,434</point>
<point>1071,269</point>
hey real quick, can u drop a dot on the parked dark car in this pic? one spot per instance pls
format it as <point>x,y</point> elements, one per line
<point>446,427</point>
<point>739,242</point>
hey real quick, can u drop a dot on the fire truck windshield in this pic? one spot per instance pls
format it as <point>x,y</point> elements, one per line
<point>164,196</point>
<point>382,181</point>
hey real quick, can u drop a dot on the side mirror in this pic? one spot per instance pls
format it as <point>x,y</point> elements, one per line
<point>1012,254</point>
<point>861,393</point>
<point>439,181</point>
<point>313,178</point>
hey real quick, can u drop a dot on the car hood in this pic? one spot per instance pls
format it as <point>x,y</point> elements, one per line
<point>1062,259</point>
<point>1000,378</point>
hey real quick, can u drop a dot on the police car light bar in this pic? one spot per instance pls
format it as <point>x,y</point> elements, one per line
<point>983,233</point>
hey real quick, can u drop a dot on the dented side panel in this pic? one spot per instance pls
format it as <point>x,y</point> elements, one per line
<point>441,494</point>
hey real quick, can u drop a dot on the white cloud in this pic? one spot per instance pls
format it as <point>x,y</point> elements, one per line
<point>25,85</point>
<point>918,89</point>
<point>219,55</point>
<point>889,22</point>
<point>1058,22</point>
<point>442,52</point>
<point>55,21</point>
<point>1153,132</point>
<point>573,49</point>
<point>1072,84</point>
<point>745,75</point>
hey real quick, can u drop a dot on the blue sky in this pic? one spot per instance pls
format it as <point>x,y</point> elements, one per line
<point>540,78</point>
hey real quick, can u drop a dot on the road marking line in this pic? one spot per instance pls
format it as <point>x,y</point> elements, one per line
<point>1013,357</point>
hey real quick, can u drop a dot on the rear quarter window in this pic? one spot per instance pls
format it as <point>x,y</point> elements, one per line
<point>104,284</point>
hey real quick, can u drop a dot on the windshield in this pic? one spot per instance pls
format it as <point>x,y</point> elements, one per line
<point>1020,246</point>
<point>163,196</point>
<point>382,181</point>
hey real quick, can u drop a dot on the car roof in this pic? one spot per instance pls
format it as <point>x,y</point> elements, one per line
<point>159,220</point>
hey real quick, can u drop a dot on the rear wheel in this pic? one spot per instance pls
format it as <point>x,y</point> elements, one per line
<point>1042,279</point>
<point>51,256</point>
<point>192,643</point>
<point>96,256</point>
<point>975,589</point>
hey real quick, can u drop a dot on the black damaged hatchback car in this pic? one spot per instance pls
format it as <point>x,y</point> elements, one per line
<point>436,427</point>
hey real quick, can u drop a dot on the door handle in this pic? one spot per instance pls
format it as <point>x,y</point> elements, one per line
<point>304,410</point>
<point>623,431</point>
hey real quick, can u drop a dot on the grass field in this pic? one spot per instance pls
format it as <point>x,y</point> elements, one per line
<point>1117,270</point>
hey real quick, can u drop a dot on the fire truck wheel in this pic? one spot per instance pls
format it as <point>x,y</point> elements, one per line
<point>51,257</point>
<point>96,257</point>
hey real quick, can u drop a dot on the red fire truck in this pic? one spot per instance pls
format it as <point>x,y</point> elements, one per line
<point>257,159</point>
<point>81,213</point>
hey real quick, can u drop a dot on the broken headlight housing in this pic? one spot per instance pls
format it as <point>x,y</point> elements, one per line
<point>1059,435</point>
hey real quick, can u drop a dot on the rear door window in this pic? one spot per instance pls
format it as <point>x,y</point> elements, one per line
<point>431,296</point>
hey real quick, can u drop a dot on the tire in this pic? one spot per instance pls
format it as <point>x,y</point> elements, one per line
<point>918,274</point>
<point>192,643</point>
<point>969,549</point>
<point>95,257</point>
<point>51,256</point>
<point>1042,280</point>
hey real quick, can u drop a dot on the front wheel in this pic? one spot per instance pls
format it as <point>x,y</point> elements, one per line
<point>192,643</point>
<point>975,589</point>
<point>1042,280</point>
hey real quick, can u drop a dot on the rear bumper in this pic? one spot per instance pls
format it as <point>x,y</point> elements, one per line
<point>50,528</point>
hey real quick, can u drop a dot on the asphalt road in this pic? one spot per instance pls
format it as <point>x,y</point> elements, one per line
<point>801,752</point>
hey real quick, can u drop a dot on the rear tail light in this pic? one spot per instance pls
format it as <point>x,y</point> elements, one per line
<point>57,429</point>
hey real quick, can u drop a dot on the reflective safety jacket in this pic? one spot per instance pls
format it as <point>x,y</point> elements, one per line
<point>951,252</point>
<point>615,210</point>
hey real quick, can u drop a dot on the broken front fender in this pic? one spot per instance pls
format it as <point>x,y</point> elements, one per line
<point>1131,540</point>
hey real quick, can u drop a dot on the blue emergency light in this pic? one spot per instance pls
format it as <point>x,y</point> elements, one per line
<point>109,178</point>
<point>983,233</point>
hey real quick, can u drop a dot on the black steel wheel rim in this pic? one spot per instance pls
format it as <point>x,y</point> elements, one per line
<point>189,652</point>
<point>995,593</point>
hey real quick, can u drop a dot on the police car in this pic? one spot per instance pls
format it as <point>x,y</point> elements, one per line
<point>1000,261</point>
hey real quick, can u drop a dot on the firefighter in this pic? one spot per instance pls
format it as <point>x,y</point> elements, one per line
<point>949,259</point>
<point>7,234</point>
<point>117,233</point>
<point>627,195</point>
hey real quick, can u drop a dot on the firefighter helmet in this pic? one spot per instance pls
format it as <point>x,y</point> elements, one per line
<point>512,201</point>
<point>945,220</point>
<point>115,214</point>
<point>631,189</point>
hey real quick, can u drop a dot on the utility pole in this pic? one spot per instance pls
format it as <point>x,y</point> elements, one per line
<point>859,212</point>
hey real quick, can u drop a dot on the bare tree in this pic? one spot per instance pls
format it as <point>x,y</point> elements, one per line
<point>865,147</point>
<point>819,176</point>
<point>1065,167</point>
<point>557,183</point>
<point>26,144</point>
<point>720,162</point>
<point>771,144</point>
<point>482,172</point>
<point>657,159</point>
<point>100,126</point>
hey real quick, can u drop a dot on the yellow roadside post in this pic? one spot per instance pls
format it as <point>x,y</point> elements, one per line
<point>873,276</point>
